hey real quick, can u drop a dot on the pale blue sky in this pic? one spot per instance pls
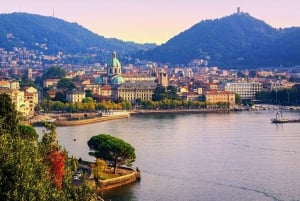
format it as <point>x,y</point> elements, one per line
<point>154,20</point>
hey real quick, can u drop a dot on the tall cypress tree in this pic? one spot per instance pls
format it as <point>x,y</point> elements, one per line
<point>8,114</point>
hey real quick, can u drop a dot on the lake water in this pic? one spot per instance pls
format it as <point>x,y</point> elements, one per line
<point>206,157</point>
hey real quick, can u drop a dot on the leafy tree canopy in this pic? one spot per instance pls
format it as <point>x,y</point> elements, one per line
<point>34,171</point>
<point>28,132</point>
<point>112,149</point>
<point>66,84</point>
<point>54,72</point>
<point>161,93</point>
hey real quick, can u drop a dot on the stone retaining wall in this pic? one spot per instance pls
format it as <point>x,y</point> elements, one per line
<point>118,181</point>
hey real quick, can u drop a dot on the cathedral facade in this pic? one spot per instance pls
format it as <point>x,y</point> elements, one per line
<point>129,90</point>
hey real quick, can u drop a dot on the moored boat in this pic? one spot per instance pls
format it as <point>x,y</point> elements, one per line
<point>279,119</point>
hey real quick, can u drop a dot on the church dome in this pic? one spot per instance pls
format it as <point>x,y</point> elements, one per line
<point>114,61</point>
<point>99,80</point>
<point>117,79</point>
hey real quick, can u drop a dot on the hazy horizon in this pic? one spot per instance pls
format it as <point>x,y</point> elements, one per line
<point>154,21</point>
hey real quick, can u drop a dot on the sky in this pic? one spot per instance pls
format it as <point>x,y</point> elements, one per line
<point>154,21</point>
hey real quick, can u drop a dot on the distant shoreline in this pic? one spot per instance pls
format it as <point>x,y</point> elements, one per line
<point>74,119</point>
<point>180,111</point>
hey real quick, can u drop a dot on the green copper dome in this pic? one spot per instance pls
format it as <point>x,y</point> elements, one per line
<point>114,61</point>
<point>99,80</point>
<point>117,79</point>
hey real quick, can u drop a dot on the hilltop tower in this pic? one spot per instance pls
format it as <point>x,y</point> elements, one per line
<point>238,10</point>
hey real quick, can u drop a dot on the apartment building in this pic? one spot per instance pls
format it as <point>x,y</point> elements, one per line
<point>246,90</point>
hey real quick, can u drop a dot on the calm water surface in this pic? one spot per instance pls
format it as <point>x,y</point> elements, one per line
<point>206,157</point>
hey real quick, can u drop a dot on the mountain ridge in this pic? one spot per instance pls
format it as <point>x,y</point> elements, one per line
<point>235,40</point>
<point>53,35</point>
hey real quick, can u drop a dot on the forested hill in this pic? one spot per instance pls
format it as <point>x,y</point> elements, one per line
<point>237,40</point>
<point>51,35</point>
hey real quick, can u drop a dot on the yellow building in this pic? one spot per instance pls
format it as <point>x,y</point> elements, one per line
<point>213,97</point>
<point>133,91</point>
<point>31,95</point>
<point>18,99</point>
<point>50,82</point>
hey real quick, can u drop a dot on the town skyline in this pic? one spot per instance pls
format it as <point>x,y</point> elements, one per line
<point>155,21</point>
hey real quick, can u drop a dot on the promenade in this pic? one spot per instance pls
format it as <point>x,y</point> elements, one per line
<point>74,119</point>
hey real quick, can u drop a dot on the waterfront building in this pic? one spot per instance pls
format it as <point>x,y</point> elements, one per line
<point>133,91</point>
<point>215,96</point>
<point>246,90</point>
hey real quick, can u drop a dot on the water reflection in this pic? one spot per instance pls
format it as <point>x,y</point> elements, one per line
<point>236,156</point>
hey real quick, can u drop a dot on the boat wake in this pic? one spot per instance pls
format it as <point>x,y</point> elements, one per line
<point>217,183</point>
<point>265,148</point>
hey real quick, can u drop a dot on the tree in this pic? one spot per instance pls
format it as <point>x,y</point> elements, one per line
<point>88,93</point>
<point>60,96</point>
<point>111,149</point>
<point>28,132</point>
<point>31,170</point>
<point>88,100</point>
<point>54,72</point>
<point>161,93</point>
<point>8,114</point>
<point>238,99</point>
<point>172,93</point>
<point>66,84</point>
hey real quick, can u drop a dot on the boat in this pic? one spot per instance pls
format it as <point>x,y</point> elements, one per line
<point>280,119</point>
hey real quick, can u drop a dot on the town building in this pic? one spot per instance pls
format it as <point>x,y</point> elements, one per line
<point>31,95</point>
<point>215,96</point>
<point>50,82</point>
<point>130,88</point>
<point>246,90</point>
<point>18,99</point>
<point>10,84</point>
<point>75,96</point>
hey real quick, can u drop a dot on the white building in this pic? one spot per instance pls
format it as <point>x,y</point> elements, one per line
<point>246,90</point>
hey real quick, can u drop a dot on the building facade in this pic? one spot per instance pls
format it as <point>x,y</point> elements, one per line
<point>75,96</point>
<point>213,97</point>
<point>246,90</point>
